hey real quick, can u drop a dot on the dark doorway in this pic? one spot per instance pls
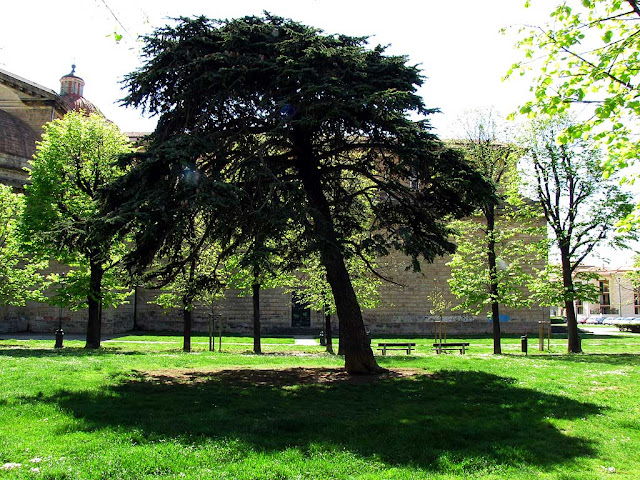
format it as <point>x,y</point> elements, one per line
<point>300,315</point>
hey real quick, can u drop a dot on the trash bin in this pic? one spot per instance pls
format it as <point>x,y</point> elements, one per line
<point>523,344</point>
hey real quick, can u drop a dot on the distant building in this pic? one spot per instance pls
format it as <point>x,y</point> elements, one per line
<point>617,297</point>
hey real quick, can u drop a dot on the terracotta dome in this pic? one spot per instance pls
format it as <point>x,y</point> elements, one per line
<point>17,137</point>
<point>71,90</point>
<point>77,103</point>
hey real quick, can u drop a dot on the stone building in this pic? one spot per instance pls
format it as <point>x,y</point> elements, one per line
<point>404,309</point>
<point>25,107</point>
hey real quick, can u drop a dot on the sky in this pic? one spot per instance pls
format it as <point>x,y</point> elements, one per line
<point>457,45</point>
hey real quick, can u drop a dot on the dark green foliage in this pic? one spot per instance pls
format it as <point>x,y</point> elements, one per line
<point>231,96</point>
<point>629,327</point>
<point>272,130</point>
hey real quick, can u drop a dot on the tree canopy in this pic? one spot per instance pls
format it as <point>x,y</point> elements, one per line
<point>580,206</point>
<point>78,155</point>
<point>498,244</point>
<point>315,126</point>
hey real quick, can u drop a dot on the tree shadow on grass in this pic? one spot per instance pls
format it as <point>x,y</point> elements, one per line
<point>471,418</point>
<point>621,359</point>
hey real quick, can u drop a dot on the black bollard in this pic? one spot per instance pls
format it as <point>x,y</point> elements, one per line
<point>523,344</point>
<point>59,338</point>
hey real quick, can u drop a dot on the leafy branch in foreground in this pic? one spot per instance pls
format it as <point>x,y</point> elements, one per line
<point>589,56</point>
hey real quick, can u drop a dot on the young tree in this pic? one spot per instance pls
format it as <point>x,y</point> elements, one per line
<point>547,287</point>
<point>314,291</point>
<point>309,113</point>
<point>588,56</point>
<point>256,268</point>
<point>580,206</point>
<point>188,266</point>
<point>488,269</point>
<point>185,282</point>
<point>482,279</point>
<point>78,155</point>
<point>20,279</point>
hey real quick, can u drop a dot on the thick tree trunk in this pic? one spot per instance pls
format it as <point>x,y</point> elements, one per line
<point>573,339</point>
<point>327,331</point>
<point>94,324</point>
<point>493,279</point>
<point>255,290</point>
<point>186,336</point>
<point>358,354</point>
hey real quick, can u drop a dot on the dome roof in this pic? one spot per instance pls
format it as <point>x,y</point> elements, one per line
<point>71,91</point>
<point>76,103</point>
<point>16,137</point>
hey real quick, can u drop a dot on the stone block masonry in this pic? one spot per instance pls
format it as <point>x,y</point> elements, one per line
<point>403,310</point>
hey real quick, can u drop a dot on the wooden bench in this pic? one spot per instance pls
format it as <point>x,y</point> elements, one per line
<point>407,347</point>
<point>445,347</point>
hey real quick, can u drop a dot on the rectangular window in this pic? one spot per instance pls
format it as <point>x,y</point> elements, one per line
<point>300,314</point>
<point>636,301</point>
<point>579,307</point>
<point>605,297</point>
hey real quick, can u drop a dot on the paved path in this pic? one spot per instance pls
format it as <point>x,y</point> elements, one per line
<point>600,330</point>
<point>306,341</point>
<point>298,340</point>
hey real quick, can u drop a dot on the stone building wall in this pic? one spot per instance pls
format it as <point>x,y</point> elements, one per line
<point>32,104</point>
<point>403,310</point>
<point>12,170</point>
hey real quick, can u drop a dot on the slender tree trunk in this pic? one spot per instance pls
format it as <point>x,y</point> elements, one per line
<point>255,290</point>
<point>573,339</point>
<point>94,324</point>
<point>358,354</point>
<point>327,331</point>
<point>493,279</point>
<point>187,306</point>
<point>186,335</point>
<point>135,309</point>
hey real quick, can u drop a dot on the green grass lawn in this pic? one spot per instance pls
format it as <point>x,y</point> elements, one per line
<point>146,410</point>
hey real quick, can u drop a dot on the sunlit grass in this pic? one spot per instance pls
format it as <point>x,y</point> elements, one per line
<point>147,410</point>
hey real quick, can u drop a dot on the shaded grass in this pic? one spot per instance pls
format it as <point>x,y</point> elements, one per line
<point>128,412</point>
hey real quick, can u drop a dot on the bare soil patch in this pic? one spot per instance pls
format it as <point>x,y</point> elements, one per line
<point>272,377</point>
